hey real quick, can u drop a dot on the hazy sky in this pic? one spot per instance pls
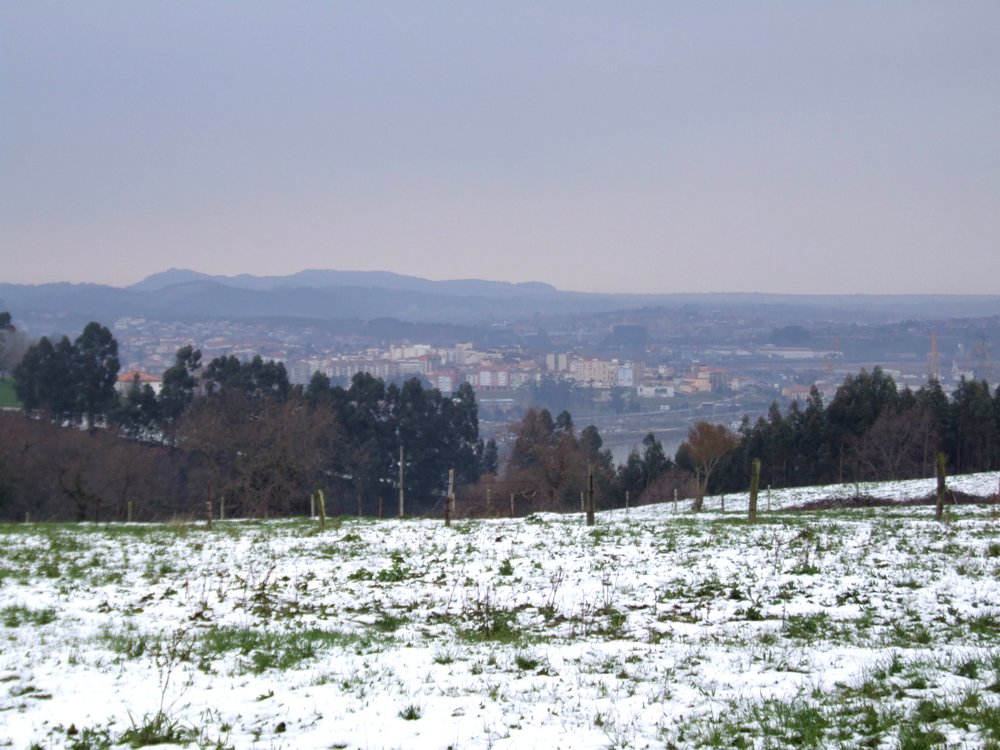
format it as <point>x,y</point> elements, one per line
<point>599,146</point>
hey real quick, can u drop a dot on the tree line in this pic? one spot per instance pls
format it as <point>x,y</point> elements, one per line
<point>229,432</point>
<point>870,431</point>
<point>238,434</point>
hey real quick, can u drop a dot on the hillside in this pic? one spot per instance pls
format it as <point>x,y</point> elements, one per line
<point>874,628</point>
<point>352,295</point>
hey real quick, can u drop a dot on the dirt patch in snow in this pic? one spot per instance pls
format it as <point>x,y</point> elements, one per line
<point>952,497</point>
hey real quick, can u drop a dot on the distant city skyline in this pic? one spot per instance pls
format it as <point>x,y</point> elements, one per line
<point>644,147</point>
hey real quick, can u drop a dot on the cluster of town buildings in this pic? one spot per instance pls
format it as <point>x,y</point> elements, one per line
<point>149,347</point>
<point>447,368</point>
<point>148,353</point>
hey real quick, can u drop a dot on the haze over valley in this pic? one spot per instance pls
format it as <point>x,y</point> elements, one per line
<point>630,364</point>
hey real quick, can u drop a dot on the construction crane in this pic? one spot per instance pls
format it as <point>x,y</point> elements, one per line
<point>934,360</point>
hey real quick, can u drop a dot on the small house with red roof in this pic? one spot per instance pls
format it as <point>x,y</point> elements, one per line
<point>137,377</point>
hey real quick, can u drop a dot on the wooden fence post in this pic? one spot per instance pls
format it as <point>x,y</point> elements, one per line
<point>754,487</point>
<point>208,513</point>
<point>449,501</point>
<point>322,507</point>
<point>591,504</point>
<point>939,509</point>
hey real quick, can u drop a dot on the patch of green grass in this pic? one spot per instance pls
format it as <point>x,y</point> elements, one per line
<point>805,569</point>
<point>872,721</point>
<point>388,622</point>
<point>497,626</point>
<point>157,729</point>
<point>785,724</point>
<point>13,574</point>
<point>858,716</point>
<point>396,572</point>
<point>613,623</point>
<point>969,668</point>
<point>798,723</point>
<point>526,662</point>
<point>130,643</point>
<point>16,615</point>
<point>8,399</point>
<point>263,650</point>
<point>875,686</point>
<point>157,569</point>
<point>809,627</point>
<point>908,634</point>
<point>49,569</point>
<point>913,736</point>
<point>411,713</point>
<point>444,656</point>
<point>751,613</point>
<point>986,625</point>
<point>87,738</point>
<point>107,577</point>
<point>257,650</point>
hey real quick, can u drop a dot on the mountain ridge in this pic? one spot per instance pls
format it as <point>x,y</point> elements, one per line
<point>313,278</point>
<point>183,294</point>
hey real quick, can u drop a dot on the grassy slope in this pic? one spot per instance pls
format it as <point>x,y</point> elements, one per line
<point>7,397</point>
<point>840,629</point>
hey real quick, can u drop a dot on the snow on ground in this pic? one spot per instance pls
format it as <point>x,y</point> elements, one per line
<point>982,485</point>
<point>654,628</point>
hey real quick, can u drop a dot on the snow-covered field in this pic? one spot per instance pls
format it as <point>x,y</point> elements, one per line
<point>656,628</point>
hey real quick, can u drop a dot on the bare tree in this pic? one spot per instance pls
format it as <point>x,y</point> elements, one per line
<point>893,447</point>
<point>59,473</point>
<point>549,459</point>
<point>706,445</point>
<point>662,488</point>
<point>263,456</point>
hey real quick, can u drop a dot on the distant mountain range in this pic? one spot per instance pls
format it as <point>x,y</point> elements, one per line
<point>367,295</point>
<point>318,295</point>
<point>320,279</point>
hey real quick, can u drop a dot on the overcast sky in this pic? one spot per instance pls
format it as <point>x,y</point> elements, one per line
<point>599,146</point>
